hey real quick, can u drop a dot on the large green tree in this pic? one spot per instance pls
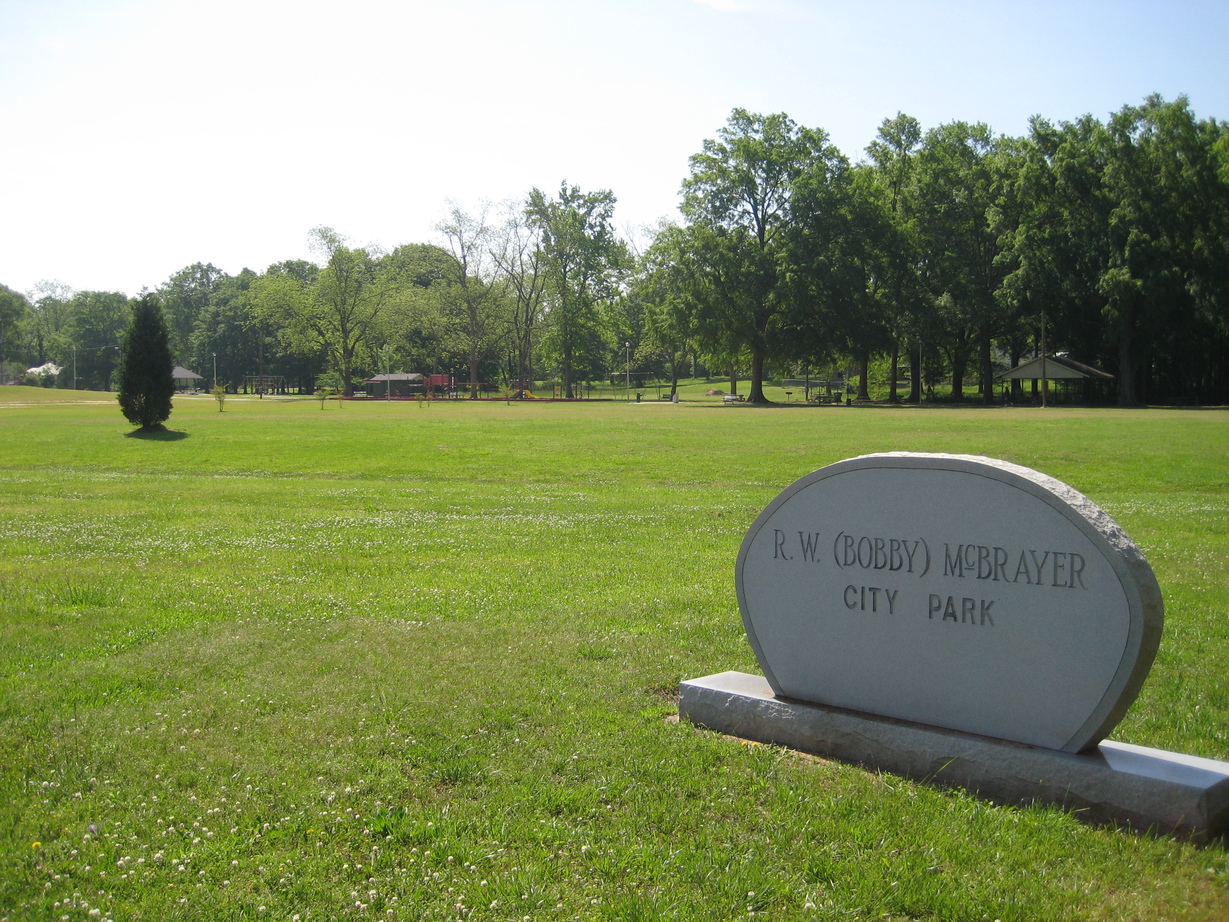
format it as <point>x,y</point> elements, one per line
<point>419,331</point>
<point>663,286</point>
<point>1123,243</point>
<point>893,155</point>
<point>340,311</point>
<point>345,310</point>
<point>47,323</point>
<point>584,260</point>
<point>276,352</point>
<point>145,382</point>
<point>957,191</point>
<point>227,344</point>
<point>738,202</point>
<point>14,309</point>
<point>186,297</point>
<point>97,320</point>
<point>839,255</point>
<point>521,265</point>
<point>1054,250</point>
<point>477,312</point>
<point>1164,280</point>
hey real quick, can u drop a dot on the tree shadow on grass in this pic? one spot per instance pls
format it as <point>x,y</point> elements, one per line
<point>157,434</point>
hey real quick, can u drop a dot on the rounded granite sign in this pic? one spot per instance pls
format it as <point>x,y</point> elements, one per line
<point>955,591</point>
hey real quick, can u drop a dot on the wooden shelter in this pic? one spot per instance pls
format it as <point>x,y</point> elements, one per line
<point>186,380</point>
<point>394,385</point>
<point>1074,376</point>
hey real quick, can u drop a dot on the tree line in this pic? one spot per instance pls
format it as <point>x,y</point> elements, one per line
<point>943,256</point>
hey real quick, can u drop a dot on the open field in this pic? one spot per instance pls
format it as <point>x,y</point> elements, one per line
<point>384,661</point>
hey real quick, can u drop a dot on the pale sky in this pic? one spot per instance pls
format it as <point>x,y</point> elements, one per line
<point>141,136</point>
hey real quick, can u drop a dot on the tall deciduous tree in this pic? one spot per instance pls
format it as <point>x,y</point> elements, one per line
<point>522,274</point>
<point>227,344</point>
<point>893,154</point>
<point>14,314</point>
<point>340,312</point>
<point>1124,241</point>
<point>738,202</point>
<point>838,257</point>
<point>97,322</point>
<point>583,260</point>
<point>48,323</point>
<point>13,311</point>
<point>145,369</point>
<point>1165,268</point>
<point>421,323</point>
<point>186,297</point>
<point>665,289</point>
<point>478,319</point>
<point>1053,249</point>
<point>277,301</point>
<point>347,304</point>
<point>956,192</point>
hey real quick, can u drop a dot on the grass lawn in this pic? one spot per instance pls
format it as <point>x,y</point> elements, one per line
<point>384,661</point>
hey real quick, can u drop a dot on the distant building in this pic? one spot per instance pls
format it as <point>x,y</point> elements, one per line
<point>1081,383</point>
<point>399,385</point>
<point>186,380</point>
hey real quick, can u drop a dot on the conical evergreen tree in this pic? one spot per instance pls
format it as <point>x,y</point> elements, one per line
<point>146,384</point>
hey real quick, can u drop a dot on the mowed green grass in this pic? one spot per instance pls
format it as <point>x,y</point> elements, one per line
<point>384,661</point>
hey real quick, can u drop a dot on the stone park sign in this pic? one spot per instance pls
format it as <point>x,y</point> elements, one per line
<point>956,618</point>
<point>957,592</point>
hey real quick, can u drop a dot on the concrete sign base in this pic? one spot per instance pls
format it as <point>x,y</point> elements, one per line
<point>1117,783</point>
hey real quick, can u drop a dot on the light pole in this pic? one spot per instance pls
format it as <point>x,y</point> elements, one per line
<point>74,367</point>
<point>215,371</point>
<point>627,346</point>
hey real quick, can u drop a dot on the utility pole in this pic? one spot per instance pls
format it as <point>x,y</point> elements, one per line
<point>1045,383</point>
<point>627,346</point>
<point>919,371</point>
